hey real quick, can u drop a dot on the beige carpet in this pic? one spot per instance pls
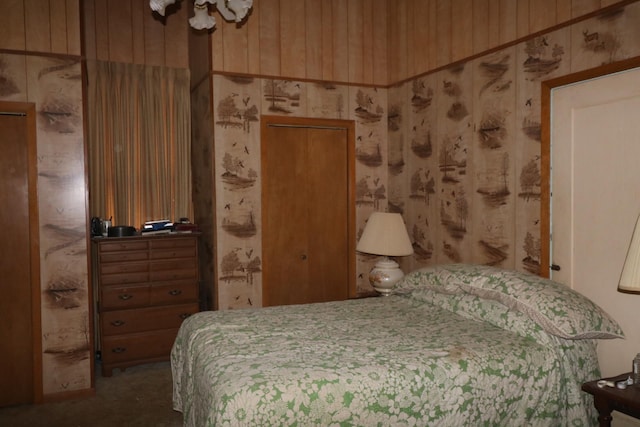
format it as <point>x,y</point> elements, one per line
<point>139,396</point>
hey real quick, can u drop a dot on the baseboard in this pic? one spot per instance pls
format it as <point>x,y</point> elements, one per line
<point>68,395</point>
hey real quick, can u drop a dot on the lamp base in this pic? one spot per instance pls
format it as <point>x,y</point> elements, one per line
<point>384,275</point>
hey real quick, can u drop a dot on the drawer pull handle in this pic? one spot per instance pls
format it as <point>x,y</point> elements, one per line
<point>185,315</point>
<point>117,323</point>
<point>119,350</point>
<point>175,292</point>
<point>125,297</point>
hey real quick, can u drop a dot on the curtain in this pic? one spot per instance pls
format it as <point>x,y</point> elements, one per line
<point>139,142</point>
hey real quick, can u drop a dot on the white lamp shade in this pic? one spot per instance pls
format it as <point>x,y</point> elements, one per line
<point>630,277</point>
<point>385,234</point>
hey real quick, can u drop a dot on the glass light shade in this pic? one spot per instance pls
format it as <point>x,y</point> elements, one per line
<point>630,277</point>
<point>385,234</point>
<point>201,18</point>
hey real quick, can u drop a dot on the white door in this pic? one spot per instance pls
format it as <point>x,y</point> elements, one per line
<point>595,186</point>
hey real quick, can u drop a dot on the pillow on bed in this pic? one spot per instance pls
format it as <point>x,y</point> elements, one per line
<point>558,309</point>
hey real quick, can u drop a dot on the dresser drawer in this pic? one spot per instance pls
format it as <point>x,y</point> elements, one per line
<point>124,278</point>
<point>176,242</point>
<point>161,276</point>
<point>140,346</point>
<point>175,264</point>
<point>177,293</point>
<point>124,267</point>
<point>121,297</point>
<point>145,319</point>
<point>173,253</point>
<point>123,256</point>
<point>123,245</point>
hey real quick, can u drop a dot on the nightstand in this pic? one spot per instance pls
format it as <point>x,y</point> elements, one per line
<point>609,399</point>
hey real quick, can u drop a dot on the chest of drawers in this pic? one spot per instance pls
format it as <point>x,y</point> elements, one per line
<point>144,287</point>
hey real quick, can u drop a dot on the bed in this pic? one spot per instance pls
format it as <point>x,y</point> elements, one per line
<point>461,345</point>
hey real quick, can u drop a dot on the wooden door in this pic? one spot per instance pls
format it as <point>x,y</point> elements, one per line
<point>595,180</point>
<point>19,281</point>
<point>307,210</point>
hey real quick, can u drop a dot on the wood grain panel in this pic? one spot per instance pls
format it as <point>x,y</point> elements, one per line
<point>269,37</point>
<point>480,28</point>
<point>355,40</point>
<point>563,10</point>
<point>12,31</point>
<point>380,33</point>
<point>101,32</point>
<point>410,25</point>
<point>138,10</point>
<point>461,23</point>
<point>58,20</point>
<point>340,40</point>
<point>154,45</point>
<point>235,48</point>
<point>368,40</point>
<point>443,26</point>
<point>494,22</point>
<point>508,23</point>
<point>120,30</point>
<point>292,38</point>
<point>327,39</point>
<point>175,39</point>
<point>582,7</point>
<point>252,21</point>
<point>74,44</point>
<point>89,17</point>
<point>421,33</point>
<point>522,18</point>
<point>542,14</point>
<point>36,19</point>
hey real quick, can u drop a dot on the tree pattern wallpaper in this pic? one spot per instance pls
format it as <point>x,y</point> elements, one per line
<point>456,152</point>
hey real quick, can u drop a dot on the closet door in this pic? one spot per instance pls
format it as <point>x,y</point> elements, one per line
<point>19,286</point>
<point>306,213</point>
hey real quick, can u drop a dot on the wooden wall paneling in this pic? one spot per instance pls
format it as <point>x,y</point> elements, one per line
<point>138,10</point>
<point>252,22</point>
<point>36,19</point>
<point>542,14</point>
<point>58,22</point>
<point>582,7</point>
<point>120,30</point>
<point>380,32</point>
<point>522,18</point>
<point>74,44</point>
<point>269,37</point>
<point>154,44</point>
<point>433,34</point>
<point>495,23</point>
<point>217,43</point>
<point>292,38</point>
<point>410,28</point>
<point>12,30</point>
<point>444,53</point>
<point>340,40</point>
<point>368,42</point>
<point>461,23</point>
<point>421,40</point>
<point>355,40</point>
<point>397,41</point>
<point>101,21</point>
<point>327,39</point>
<point>480,29</point>
<point>89,30</point>
<point>563,10</point>
<point>176,38</point>
<point>235,48</point>
<point>508,21</point>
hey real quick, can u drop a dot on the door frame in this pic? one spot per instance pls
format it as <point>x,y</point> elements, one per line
<point>29,111</point>
<point>350,127</point>
<point>545,146</point>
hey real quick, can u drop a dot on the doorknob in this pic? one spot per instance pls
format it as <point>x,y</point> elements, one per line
<point>303,257</point>
<point>555,267</point>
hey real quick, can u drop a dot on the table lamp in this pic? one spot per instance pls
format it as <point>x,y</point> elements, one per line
<point>630,277</point>
<point>385,234</point>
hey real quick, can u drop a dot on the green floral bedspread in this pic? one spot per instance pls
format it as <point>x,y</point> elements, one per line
<point>421,358</point>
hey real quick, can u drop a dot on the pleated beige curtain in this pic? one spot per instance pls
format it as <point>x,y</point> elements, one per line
<point>139,142</point>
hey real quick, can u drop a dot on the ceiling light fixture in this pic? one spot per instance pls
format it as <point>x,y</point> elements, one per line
<point>231,10</point>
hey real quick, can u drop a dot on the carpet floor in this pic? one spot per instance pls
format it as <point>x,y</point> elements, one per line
<point>138,396</point>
